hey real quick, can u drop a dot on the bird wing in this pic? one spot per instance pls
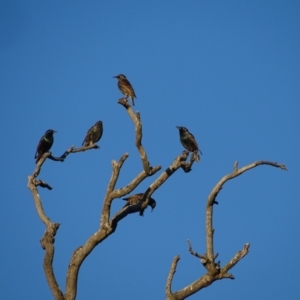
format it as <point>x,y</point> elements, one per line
<point>194,140</point>
<point>38,146</point>
<point>88,135</point>
<point>99,133</point>
<point>133,196</point>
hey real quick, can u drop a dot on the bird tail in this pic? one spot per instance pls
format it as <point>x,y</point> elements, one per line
<point>197,156</point>
<point>132,100</point>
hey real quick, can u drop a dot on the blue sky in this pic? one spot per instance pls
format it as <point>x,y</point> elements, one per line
<point>226,70</point>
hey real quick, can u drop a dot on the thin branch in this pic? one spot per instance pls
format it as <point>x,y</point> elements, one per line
<point>43,184</point>
<point>80,149</point>
<point>187,166</point>
<point>56,158</point>
<point>37,201</point>
<point>47,243</point>
<point>105,214</point>
<point>236,258</point>
<point>214,271</point>
<point>195,253</point>
<point>178,162</point>
<point>170,276</point>
<point>237,172</point>
<point>41,161</point>
<point>215,191</point>
<point>107,227</point>
<point>136,118</point>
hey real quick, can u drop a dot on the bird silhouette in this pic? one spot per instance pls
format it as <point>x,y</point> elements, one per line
<point>94,134</point>
<point>188,141</point>
<point>135,199</point>
<point>125,87</point>
<point>44,144</point>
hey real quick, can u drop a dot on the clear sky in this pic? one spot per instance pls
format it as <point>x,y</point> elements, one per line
<point>227,70</point>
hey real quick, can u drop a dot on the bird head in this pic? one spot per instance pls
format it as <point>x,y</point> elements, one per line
<point>50,132</point>
<point>99,123</point>
<point>120,76</point>
<point>182,129</point>
<point>152,203</point>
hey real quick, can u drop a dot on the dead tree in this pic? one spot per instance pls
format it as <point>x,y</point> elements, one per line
<point>107,224</point>
<point>214,270</point>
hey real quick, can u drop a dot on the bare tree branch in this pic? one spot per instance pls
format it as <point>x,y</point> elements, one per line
<point>195,253</point>
<point>80,149</point>
<point>179,162</point>
<point>214,271</point>
<point>42,184</point>
<point>170,276</point>
<point>136,118</point>
<point>107,226</point>
<point>47,243</point>
<point>211,198</point>
<point>37,200</point>
<point>236,258</point>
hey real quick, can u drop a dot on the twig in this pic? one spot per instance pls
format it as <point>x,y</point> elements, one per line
<point>215,191</point>
<point>214,271</point>
<point>195,253</point>
<point>236,258</point>
<point>136,118</point>
<point>178,162</point>
<point>171,275</point>
<point>80,149</point>
<point>42,184</point>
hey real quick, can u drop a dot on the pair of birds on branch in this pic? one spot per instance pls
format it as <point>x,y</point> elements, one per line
<point>93,135</point>
<point>187,140</point>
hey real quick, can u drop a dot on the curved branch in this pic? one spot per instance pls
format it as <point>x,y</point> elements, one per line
<point>136,118</point>
<point>106,227</point>
<point>214,271</point>
<point>47,243</point>
<point>215,191</point>
<point>37,200</point>
<point>170,277</point>
<point>80,149</point>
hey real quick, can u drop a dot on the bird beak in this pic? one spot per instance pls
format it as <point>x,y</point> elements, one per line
<point>115,76</point>
<point>54,131</point>
<point>178,127</point>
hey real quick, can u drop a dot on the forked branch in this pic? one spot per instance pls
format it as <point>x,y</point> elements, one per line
<point>214,270</point>
<point>47,242</point>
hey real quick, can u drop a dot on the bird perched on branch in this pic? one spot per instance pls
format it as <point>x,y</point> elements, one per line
<point>125,87</point>
<point>135,199</point>
<point>188,142</point>
<point>94,134</point>
<point>45,144</point>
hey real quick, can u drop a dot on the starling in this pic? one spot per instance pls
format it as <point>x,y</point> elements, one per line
<point>94,134</point>
<point>135,199</point>
<point>45,144</point>
<point>188,142</point>
<point>125,87</point>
